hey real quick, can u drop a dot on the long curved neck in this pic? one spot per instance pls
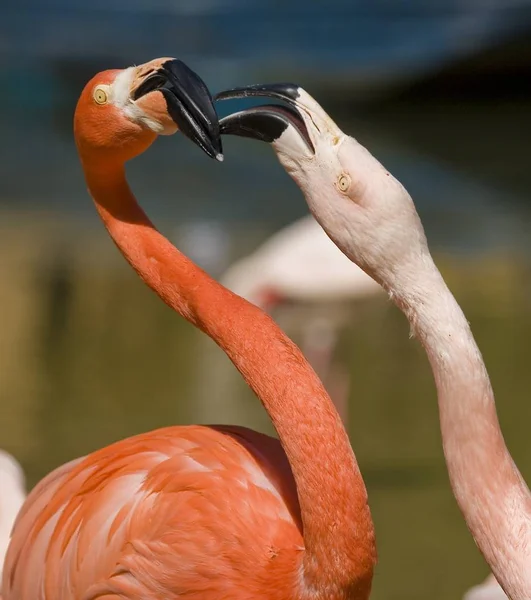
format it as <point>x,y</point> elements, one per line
<point>489,489</point>
<point>337,525</point>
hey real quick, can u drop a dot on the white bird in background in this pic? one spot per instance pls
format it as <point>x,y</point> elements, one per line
<point>300,265</point>
<point>12,496</point>
<point>490,589</point>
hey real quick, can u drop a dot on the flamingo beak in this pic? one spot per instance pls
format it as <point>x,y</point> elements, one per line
<point>189,104</point>
<point>267,122</point>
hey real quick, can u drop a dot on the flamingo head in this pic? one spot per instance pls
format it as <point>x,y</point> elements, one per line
<point>362,207</point>
<point>120,112</point>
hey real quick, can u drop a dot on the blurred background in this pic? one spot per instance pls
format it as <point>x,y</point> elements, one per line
<point>439,91</point>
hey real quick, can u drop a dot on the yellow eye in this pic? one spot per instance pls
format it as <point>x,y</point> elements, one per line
<point>100,95</point>
<point>343,183</point>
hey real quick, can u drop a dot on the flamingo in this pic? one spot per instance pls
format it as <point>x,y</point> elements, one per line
<point>372,219</point>
<point>300,264</point>
<point>12,496</point>
<point>206,512</point>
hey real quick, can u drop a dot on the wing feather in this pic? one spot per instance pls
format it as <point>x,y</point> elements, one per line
<point>180,512</point>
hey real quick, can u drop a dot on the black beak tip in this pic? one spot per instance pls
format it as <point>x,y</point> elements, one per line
<point>256,123</point>
<point>191,106</point>
<point>214,150</point>
<point>289,92</point>
<point>266,123</point>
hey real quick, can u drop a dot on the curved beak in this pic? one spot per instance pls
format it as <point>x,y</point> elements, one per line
<point>268,122</point>
<point>189,104</point>
<point>265,123</point>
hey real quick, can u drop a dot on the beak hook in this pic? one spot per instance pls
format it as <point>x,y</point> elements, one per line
<point>189,104</point>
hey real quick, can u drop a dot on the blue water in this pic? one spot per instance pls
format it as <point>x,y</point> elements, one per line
<point>233,38</point>
<point>50,48</point>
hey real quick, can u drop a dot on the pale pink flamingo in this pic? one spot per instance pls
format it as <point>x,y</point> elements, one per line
<point>300,266</point>
<point>372,219</point>
<point>194,512</point>
<point>12,496</point>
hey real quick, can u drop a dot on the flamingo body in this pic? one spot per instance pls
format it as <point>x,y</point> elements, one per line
<point>299,263</point>
<point>163,498</point>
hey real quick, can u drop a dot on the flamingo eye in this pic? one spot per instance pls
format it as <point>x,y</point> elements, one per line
<point>343,182</point>
<point>100,94</point>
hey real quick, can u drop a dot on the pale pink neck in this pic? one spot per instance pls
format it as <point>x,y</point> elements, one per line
<point>337,525</point>
<point>489,489</point>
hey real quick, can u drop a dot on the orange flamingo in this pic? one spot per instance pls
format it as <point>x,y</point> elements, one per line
<point>194,512</point>
<point>372,219</point>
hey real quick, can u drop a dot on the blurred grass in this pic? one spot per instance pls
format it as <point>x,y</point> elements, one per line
<point>89,355</point>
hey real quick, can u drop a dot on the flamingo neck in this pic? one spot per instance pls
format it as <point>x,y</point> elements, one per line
<point>336,521</point>
<point>489,489</point>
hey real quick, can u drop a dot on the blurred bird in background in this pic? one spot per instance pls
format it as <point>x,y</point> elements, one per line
<point>301,268</point>
<point>12,496</point>
<point>489,589</point>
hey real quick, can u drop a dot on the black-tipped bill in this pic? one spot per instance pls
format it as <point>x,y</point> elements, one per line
<point>189,104</point>
<point>265,123</point>
<point>289,92</point>
<point>268,122</point>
